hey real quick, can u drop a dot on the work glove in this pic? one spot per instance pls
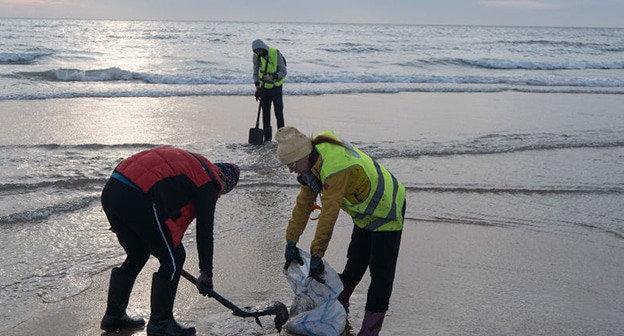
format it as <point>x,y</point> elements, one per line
<point>204,283</point>
<point>317,269</point>
<point>257,94</point>
<point>292,253</point>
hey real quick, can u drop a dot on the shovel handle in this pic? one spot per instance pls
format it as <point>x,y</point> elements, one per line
<point>258,117</point>
<point>211,293</point>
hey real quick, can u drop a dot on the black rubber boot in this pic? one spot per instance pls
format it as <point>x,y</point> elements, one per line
<point>268,134</point>
<point>345,295</point>
<point>161,322</point>
<point>115,317</point>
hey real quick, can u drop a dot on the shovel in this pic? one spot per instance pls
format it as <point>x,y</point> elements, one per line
<point>256,135</point>
<point>274,308</point>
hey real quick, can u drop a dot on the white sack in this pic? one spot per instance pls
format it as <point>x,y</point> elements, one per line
<point>315,309</point>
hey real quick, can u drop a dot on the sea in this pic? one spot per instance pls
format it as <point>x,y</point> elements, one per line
<point>556,171</point>
<point>44,59</point>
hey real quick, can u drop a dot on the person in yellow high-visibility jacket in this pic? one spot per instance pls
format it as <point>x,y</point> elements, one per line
<point>269,73</point>
<point>348,179</point>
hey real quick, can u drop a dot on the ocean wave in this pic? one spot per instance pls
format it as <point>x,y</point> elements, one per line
<point>124,83</point>
<point>72,75</point>
<point>501,64</point>
<point>528,191</point>
<point>300,90</point>
<point>467,221</point>
<point>22,57</point>
<point>351,48</point>
<point>45,212</point>
<point>113,74</point>
<point>252,185</point>
<point>504,64</point>
<point>71,184</point>
<point>544,42</point>
<point>496,144</point>
<point>224,81</point>
<point>508,223</point>
<point>87,147</point>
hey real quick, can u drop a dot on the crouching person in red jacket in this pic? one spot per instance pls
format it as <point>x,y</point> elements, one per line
<point>150,200</point>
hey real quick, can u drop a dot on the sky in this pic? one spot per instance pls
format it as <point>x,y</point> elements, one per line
<point>562,13</point>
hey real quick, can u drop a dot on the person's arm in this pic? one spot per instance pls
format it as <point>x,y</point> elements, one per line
<point>331,202</point>
<point>281,66</point>
<point>205,204</point>
<point>300,214</point>
<point>256,67</point>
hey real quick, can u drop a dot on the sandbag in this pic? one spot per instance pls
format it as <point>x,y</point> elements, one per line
<point>315,309</point>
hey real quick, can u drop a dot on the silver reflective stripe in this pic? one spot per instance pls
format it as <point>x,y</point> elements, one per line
<point>377,196</point>
<point>350,148</point>
<point>162,234</point>
<point>374,225</point>
<point>395,191</point>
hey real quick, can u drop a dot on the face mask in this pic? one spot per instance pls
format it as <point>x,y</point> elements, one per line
<point>311,181</point>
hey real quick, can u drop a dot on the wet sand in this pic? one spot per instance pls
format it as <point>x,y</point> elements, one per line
<point>451,280</point>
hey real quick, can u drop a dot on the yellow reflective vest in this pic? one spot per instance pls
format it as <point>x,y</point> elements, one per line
<point>382,209</point>
<point>270,68</point>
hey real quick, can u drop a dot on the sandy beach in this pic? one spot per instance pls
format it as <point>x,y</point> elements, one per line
<point>455,277</point>
<point>452,280</point>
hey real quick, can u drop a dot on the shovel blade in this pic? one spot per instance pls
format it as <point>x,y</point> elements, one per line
<point>273,308</point>
<point>256,136</point>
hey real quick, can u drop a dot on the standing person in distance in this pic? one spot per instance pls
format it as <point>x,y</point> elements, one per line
<point>150,200</point>
<point>269,74</point>
<point>348,179</point>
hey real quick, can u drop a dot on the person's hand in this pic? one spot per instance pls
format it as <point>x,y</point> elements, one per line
<point>257,94</point>
<point>317,269</point>
<point>292,253</point>
<point>204,284</point>
<point>268,77</point>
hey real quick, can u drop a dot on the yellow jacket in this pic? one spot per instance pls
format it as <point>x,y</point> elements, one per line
<point>351,184</point>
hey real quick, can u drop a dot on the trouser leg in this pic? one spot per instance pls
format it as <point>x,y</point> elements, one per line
<point>384,255</point>
<point>382,264</point>
<point>358,255</point>
<point>346,293</point>
<point>266,102</point>
<point>383,259</point>
<point>121,205</point>
<point>165,285</point>
<point>278,104</point>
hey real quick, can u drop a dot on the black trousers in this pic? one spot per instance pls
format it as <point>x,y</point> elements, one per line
<point>268,97</point>
<point>379,251</point>
<point>134,220</point>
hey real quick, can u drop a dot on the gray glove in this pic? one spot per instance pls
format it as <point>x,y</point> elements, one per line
<point>204,284</point>
<point>292,254</point>
<point>317,269</point>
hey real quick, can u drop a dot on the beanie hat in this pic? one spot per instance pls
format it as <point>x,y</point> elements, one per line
<point>228,173</point>
<point>292,145</point>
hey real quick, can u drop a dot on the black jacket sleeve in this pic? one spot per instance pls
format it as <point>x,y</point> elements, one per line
<point>205,204</point>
